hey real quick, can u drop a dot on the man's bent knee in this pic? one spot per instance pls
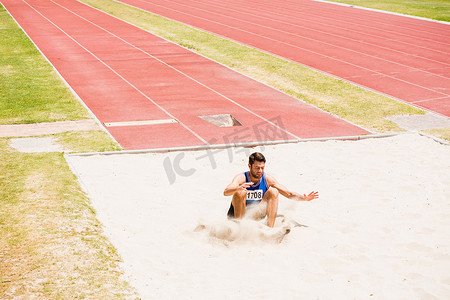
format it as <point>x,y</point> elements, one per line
<point>238,204</point>
<point>272,205</point>
<point>271,193</point>
<point>239,197</point>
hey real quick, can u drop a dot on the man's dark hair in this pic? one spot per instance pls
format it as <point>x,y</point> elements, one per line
<point>256,157</point>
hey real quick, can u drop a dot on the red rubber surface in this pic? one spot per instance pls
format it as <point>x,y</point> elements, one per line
<point>124,74</point>
<point>405,58</point>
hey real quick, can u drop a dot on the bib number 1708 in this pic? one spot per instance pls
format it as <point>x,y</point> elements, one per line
<point>255,195</point>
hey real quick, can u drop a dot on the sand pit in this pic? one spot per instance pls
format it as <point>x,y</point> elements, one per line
<point>380,229</point>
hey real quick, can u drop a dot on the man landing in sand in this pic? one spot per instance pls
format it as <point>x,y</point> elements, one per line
<point>255,187</point>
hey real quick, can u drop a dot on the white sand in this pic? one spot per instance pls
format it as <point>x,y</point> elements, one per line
<point>380,230</point>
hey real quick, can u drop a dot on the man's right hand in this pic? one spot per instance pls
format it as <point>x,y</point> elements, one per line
<point>246,185</point>
<point>236,185</point>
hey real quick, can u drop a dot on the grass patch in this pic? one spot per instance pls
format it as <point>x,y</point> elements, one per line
<point>30,89</point>
<point>357,105</point>
<point>52,245</point>
<point>435,9</point>
<point>87,141</point>
<point>442,133</point>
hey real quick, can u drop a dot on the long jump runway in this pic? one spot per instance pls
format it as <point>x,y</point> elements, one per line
<point>150,93</point>
<point>405,58</point>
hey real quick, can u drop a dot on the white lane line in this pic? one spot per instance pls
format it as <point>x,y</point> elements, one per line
<point>106,65</point>
<point>430,99</point>
<point>140,123</point>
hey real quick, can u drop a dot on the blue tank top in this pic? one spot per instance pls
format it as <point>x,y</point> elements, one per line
<point>255,192</point>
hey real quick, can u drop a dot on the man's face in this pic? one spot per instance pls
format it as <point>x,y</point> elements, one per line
<point>257,169</point>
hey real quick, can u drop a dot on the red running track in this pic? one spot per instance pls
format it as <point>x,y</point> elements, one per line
<point>125,74</point>
<point>405,58</point>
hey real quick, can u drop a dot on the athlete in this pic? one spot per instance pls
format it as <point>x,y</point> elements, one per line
<point>255,187</point>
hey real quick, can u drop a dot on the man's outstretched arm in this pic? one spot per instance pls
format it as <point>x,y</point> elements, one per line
<point>291,194</point>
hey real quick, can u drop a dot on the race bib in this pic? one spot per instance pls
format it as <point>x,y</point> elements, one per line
<point>255,195</point>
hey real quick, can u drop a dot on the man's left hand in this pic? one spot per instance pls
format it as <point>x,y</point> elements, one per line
<point>310,196</point>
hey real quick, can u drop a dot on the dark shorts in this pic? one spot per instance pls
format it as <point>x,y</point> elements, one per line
<point>230,213</point>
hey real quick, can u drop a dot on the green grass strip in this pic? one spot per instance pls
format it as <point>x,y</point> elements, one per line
<point>443,133</point>
<point>86,141</point>
<point>30,89</point>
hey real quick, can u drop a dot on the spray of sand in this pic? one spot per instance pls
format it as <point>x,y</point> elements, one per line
<point>251,229</point>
